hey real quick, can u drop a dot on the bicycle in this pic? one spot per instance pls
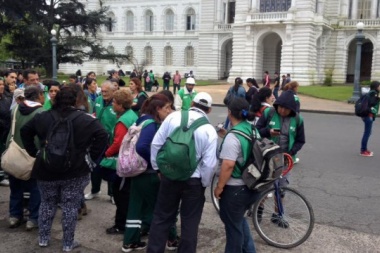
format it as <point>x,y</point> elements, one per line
<point>282,222</point>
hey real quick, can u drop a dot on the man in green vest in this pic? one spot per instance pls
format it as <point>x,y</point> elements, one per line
<point>107,117</point>
<point>185,95</point>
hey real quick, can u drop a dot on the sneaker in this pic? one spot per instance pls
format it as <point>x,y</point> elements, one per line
<point>4,182</point>
<point>90,195</point>
<point>84,209</point>
<point>30,225</point>
<point>134,246</point>
<point>297,160</point>
<point>172,245</point>
<point>260,211</point>
<point>15,222</point>
<point>280,221</point>
<point>75,245</point>
<point>43,244</point>
<point>112,200</point>
<point>114,231</point>
<point>366,153</point>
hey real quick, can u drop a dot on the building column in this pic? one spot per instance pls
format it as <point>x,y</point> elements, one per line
<point>255,6</point>
<point>226,14</point>
<point>354,9</point>
<point>373,9</point>
<point>321,7</point>
<point>344,8</point>
<point>219,11</point>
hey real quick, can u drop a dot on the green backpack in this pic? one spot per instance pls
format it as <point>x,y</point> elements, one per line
<point>176,159</point>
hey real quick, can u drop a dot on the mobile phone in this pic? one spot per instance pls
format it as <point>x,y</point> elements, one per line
<point>276,129</point>
<point>219,127</point>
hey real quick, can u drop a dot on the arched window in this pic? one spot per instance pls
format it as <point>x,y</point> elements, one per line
<point>129,52</point>
<point>189,56</point>
<point>190,19</point>
<point>149,21</point>
<point>148,55</point>
<point>111,50</point>
<point>168,56</point>
<point>169,18</point>
<point>111,22</point>
<point>275,5</point>
<point>130,21</point>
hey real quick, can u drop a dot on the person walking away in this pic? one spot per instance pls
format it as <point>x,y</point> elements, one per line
<point>189,193</point>
<point>107,118</point>
<point>266,80</point>
<point>235,198</point>
<point>151,81</point>
<point>144,187</point>
<point>276,85</point>
<point>293,88</point>
<point>166,78</point>
<point>373,104</point>
<point>261,100</point>
<point>283,82</point>
<point>283,125</point>
<point>185,96</point>
<point>66,185</point>
<point>126,117</point>
<point>23,113</point>
<point>139,96</point>
<point>253,88</point>
<point>237,90</point>
<point>176,82</point>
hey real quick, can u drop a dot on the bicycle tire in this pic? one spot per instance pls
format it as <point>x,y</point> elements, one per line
<point>300,222</point>
<point>214,200</point>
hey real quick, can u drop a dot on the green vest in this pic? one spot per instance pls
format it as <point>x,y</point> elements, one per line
<point>275,122</point>
<point>106,115</point>
<point>187,98</point>
<point>48,104</point>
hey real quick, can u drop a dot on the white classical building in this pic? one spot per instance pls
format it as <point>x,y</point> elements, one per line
<point>310,39</point>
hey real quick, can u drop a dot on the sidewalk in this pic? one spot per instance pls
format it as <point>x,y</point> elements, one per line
<point>308,104</point>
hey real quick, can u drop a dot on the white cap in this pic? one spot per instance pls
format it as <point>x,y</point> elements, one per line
<point>18,93</point>
<point>203,98</point>
<point>190,80</point>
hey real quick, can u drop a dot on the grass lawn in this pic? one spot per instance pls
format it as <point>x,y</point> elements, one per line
<point>101,79</point>
<point>337,93</point>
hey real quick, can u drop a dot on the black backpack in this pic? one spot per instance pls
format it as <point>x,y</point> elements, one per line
<point>362,108</point>
<point>59,152</point>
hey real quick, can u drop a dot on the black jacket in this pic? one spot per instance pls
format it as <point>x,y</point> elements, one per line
<point>5,117</point>
<point>89,134</point>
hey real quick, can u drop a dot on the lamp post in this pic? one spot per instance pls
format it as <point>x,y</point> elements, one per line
<point>53,41</point>
<point>359,42</point>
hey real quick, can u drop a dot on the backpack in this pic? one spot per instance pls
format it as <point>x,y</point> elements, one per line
<point>265,164</point>
<point>58,152</point>
<point>176,159</point>
<point>147,79</point>
<point>362,108</point>
<point>129,162</point>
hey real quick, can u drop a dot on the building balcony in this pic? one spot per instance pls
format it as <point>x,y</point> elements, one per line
<point>368,23</point>
<point>224,27</point>
<point>268,17</point>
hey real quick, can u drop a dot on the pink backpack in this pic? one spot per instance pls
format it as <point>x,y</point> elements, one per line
<point>129,163</point>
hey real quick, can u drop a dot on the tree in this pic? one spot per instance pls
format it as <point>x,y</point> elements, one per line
<point>28,25</point>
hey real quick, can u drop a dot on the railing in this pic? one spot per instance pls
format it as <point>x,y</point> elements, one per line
<point>367,22</point>
<point>269,16</point>
<point>224,27</point>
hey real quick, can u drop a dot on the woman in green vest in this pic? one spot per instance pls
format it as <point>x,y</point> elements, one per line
<point>126,117</point>
<point>139,96</point>
<point>53,88</point>
<point>234,196</point>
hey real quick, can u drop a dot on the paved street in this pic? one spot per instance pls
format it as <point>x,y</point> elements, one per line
<point>342,187</point>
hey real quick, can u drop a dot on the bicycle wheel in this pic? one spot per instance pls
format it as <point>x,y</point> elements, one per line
<point>214,182</point>
<point>290,230</point>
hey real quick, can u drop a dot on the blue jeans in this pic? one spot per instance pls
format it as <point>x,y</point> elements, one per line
<point>234,202</point>
<point>275,92</point>
<point>368,121</point>
<point>18,187</point>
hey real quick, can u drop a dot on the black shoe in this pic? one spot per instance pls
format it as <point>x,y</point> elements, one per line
<point>134,246</point>
<point>260,211</point>
<point>114,231</point>
<point>280,221</point>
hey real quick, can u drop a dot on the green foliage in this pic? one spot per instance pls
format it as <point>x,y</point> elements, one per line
<point>337,93</point>
<point>28,25</point>
<point>328,77</point>
<point>365,83</point>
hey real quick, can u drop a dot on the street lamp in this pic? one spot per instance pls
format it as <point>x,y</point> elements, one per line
<point>359,42</point>
<point>53,41</point>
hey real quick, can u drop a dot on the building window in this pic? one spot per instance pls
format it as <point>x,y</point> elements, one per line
<point>130,21</point>
<point>111,22</point>
<point>148,55</point>
<point>111,50</point>
<point>189,56</point>
<point>149,21</point>
<point>168,56</point>
<point>275,5</point>
<point>129,52</point>
<point>364,9</point>
<point>169,18</point>
<point>190,19</point>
